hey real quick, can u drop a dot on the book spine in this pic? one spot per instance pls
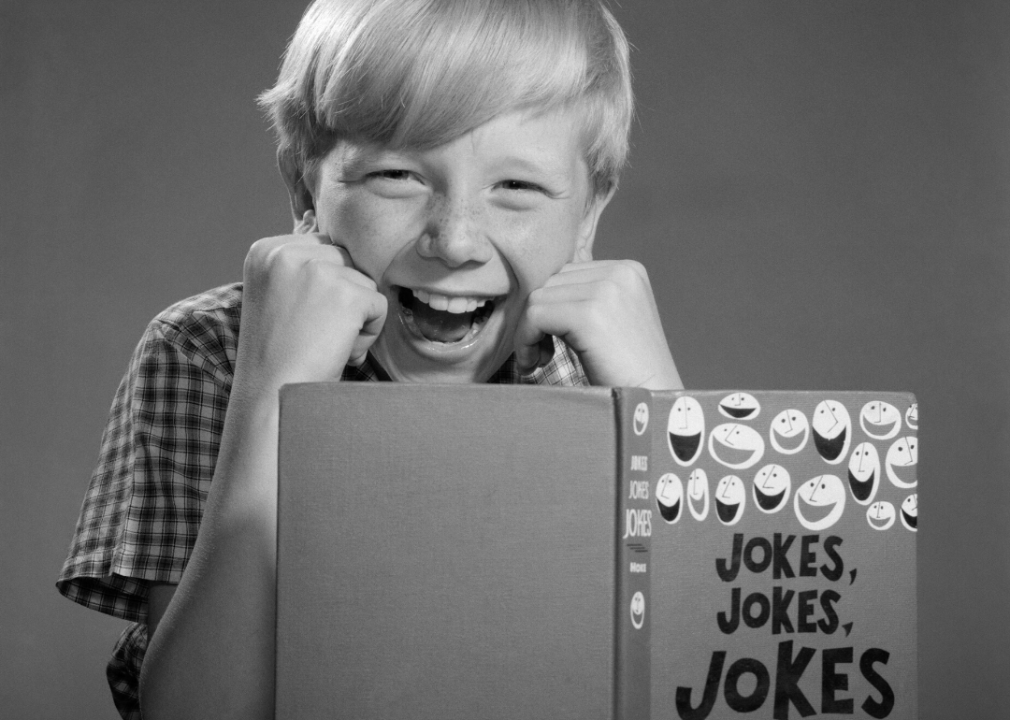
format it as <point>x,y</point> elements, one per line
<point>633,661</point>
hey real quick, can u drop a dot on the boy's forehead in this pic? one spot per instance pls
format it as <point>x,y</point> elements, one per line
<point>547,144</point>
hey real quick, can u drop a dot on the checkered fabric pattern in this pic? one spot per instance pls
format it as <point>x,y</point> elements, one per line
<point>143,508</point>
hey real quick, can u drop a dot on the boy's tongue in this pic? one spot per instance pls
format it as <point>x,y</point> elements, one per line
<point>439,325</point>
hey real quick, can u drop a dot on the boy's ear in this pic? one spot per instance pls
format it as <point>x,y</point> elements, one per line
<point>303,206</point>
<point>587,230</point>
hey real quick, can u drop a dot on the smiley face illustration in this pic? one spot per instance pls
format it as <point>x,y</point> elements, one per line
<point>910,512</point>
<point>912,416</point>
<point>902,457</point>
<point>771,489</point>
<point>685,430</point>
<point>880,420</point>
<point>864,473</point>
<point>789,431</point>
<point>638,610</point>
<point>740,406</point>
<point>641,419</point>
<point>832,430</point>
<point>697,494</point>
<point>880,515</point>
<point>670,497</point>
<point>736,446</point>
<point>819,502</point>
<point>730,498</point>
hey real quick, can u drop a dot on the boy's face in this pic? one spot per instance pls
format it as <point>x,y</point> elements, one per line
<point>457,237</point>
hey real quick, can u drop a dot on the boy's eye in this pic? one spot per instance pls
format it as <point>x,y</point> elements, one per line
<point>394,183</point>
<point>392,174</point>
<point>520,185</point>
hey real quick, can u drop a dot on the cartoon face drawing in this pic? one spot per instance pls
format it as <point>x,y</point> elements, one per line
<point>638,610</point>
<point>686,430</point>
<point>669,497</point>
<point>832,430</point>
<point>864,473</point>
<point>901,460</point>
<point>697,494</point>
<point>910,512</point>
<point>912,416</point>
<point>819,502</point>
<point>730,498</point>
<point>740,406</point>
<point>771,488</point>
<point>789,431</point>
<point>736,446</point>
<point>880,420</point>
<point>641,419</point>
<point>880,515</point>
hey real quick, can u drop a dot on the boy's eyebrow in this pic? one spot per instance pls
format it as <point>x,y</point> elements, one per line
<point>357,158</point>
<point>525,165</point>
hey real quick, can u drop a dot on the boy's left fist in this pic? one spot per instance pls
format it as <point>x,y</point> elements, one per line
<point>605,311</point>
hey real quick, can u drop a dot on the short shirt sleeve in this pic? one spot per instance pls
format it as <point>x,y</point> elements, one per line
<point>143,507</point>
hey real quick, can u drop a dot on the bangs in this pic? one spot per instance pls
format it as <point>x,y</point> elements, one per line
<point>420,73</point>
<point>453,68</point>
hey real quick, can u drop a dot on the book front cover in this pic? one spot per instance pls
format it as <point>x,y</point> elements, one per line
<point>783,580</point>
<point>447,552</point>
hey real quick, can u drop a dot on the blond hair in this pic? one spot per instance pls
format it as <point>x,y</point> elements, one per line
<point>420,73</point>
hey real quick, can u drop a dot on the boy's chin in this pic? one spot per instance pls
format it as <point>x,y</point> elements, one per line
<point>403,363</point>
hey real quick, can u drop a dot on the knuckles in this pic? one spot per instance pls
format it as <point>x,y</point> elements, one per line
<point>630,274</point>
<point>292,260</point>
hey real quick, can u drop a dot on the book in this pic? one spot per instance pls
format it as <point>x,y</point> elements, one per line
<point>783,577</point>
<point>499,552</point>
<point>462,552</point>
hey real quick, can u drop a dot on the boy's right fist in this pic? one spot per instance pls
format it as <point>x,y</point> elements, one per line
<point>306,311</point>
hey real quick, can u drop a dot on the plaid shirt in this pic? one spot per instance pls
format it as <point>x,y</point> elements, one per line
<point>143,508</point>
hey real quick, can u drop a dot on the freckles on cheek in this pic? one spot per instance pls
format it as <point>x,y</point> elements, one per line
<point>536,251</point>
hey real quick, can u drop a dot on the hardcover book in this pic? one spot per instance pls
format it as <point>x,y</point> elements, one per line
<point>499,552</point>
<point>474,552</point>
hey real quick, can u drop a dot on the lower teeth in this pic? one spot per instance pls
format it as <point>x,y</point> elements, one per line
<point>442,326</point>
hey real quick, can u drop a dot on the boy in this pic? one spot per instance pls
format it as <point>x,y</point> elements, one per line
<point>447,163</point>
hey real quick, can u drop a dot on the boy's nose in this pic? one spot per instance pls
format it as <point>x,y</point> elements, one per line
<point>456,236</point>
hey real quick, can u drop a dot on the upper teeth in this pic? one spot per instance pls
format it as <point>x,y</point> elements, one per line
<point>455,304</point>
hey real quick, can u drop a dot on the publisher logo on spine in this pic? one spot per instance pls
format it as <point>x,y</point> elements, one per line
<point>638,610</point>
<point>641,419</point>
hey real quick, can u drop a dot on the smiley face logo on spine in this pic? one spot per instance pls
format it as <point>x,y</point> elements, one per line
<point>730,498</point>
<point>638,610</point>
<point>910,512</point>
<point>880,515</point>
<point>880,420</point>
<point>641,419</point>
<point>912,416</point>
<point>819,502</point>
<point>789,431</point>
<point>670,497</point>
<point>740,406</point>
<point>685,430</point>
<point>832,431</point>
<point>736,446</point>
<point>697,494</point>
<point>901,460</point>
<point>772,486</point>
<point>864,473</point>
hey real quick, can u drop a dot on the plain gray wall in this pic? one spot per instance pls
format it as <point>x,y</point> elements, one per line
<point>819,190</point>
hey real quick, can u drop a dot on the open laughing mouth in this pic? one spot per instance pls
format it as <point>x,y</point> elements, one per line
<point>445,319</point>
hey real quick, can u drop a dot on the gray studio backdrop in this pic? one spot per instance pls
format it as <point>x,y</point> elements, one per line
<point>819,191</point>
